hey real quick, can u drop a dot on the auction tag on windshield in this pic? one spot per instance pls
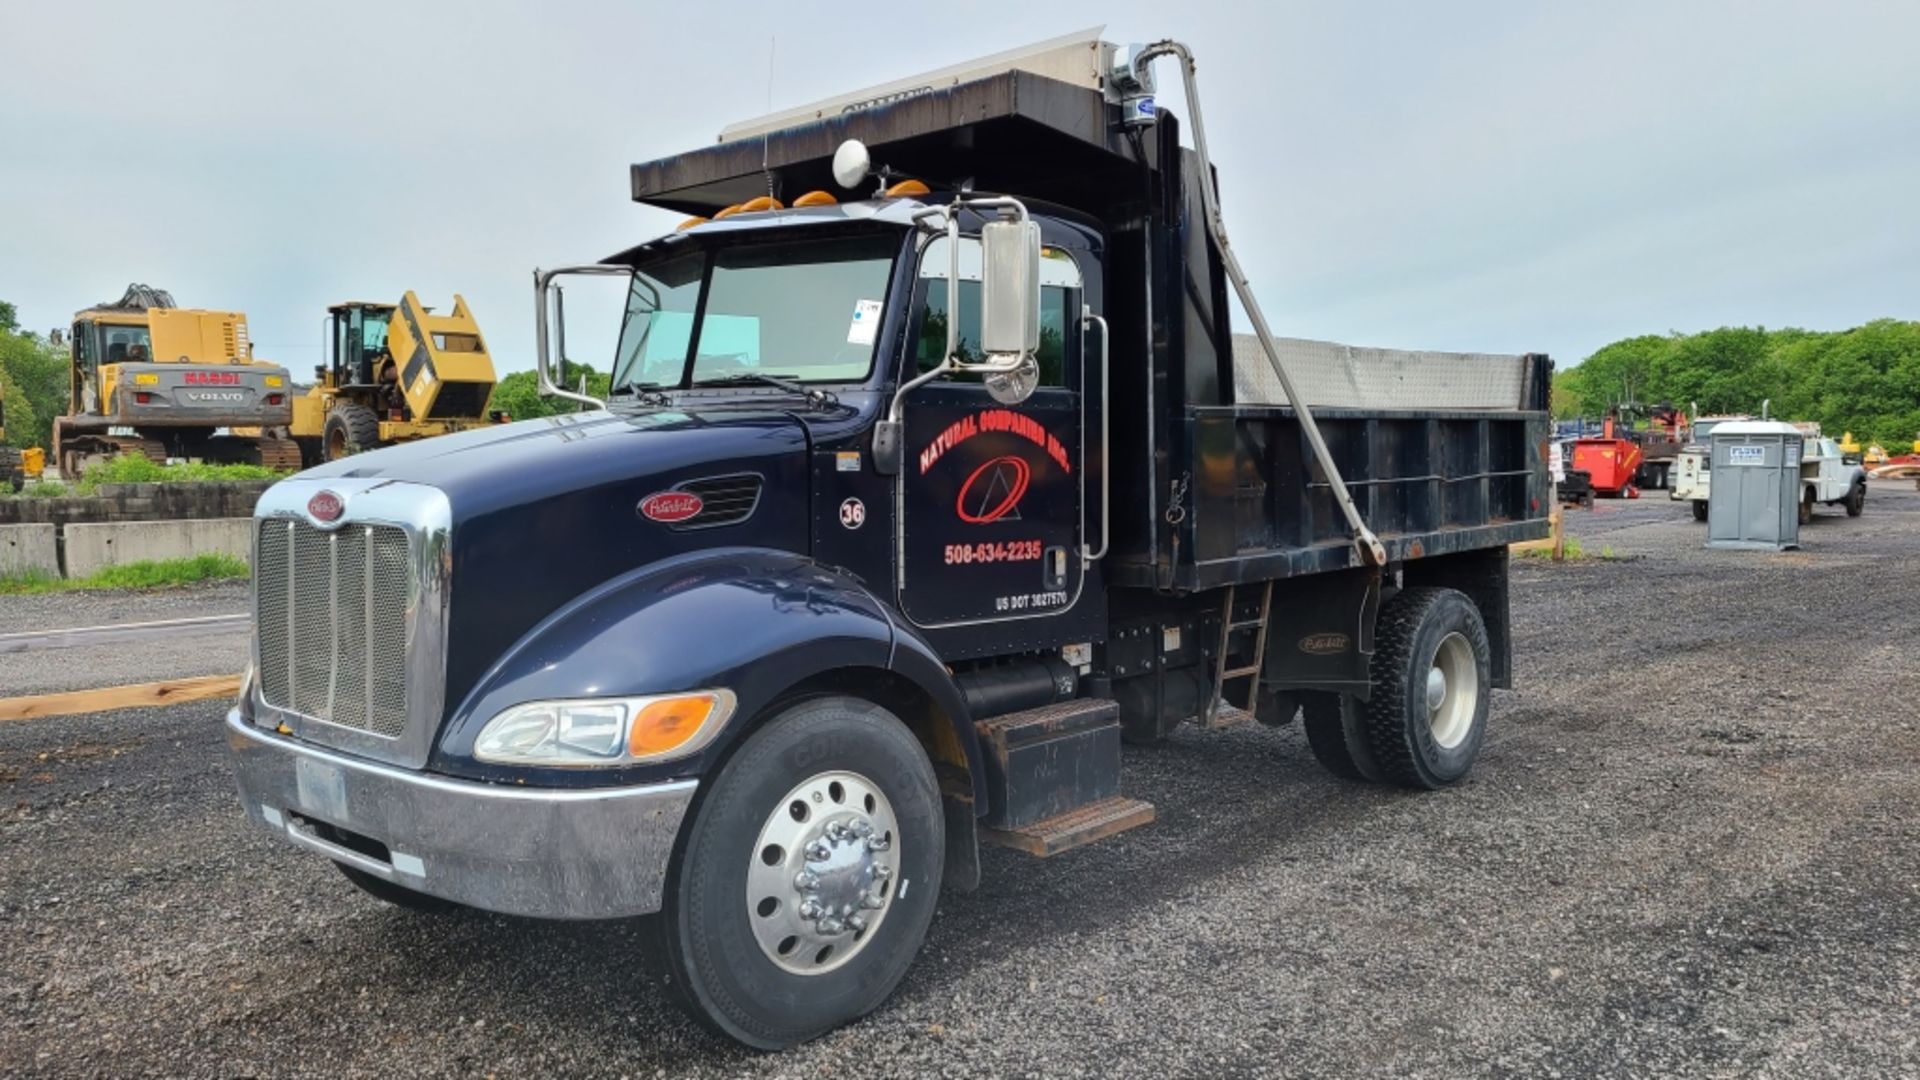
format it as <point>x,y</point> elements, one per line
<point>866,322</point>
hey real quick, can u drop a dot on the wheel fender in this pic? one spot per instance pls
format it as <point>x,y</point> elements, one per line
<point>755,621</point>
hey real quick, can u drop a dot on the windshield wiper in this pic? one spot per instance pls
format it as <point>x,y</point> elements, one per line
<point>814,395</point>
<point>648,393</point>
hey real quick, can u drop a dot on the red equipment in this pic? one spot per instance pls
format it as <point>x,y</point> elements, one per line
<point>1610,460</point>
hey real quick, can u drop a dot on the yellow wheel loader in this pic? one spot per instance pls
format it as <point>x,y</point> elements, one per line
<point>162,381</point>
<point>394,373</point>
<point>13,472</point>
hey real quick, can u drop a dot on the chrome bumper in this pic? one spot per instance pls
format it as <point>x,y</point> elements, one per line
<point>548,853</point>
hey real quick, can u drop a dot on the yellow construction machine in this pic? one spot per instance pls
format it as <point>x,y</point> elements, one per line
<point>394,373</point>
<point>13,473</point>
<point>162,381</point>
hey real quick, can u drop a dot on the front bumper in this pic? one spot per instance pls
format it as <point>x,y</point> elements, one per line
<point>594,853</point>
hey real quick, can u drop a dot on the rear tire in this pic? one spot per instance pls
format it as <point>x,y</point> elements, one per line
<point>397,895</point>
<point>1856,500</point>
<point>1431,673</point>
<point>744,954</point>
<point>1336,733</point>
<point>1699,509</point>
<point>1806,507</point>
<point>349,429</point>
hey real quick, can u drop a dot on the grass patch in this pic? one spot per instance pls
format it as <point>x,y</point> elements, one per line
<point>136,469</point>
<point>146,574</point>
<point>1570,551</point>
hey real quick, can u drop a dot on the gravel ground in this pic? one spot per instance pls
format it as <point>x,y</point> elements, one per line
<point>179,653</point>
<point>1690,849</point>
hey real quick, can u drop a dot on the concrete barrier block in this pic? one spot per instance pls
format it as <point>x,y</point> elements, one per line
<point>92,546</point>
<point>28,549</point>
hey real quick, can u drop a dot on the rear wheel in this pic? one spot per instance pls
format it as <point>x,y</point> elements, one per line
<point>349,429</point>
<point>1806,506</point>
<point>1699,509</point>
<point>1431,672</point>
<point>397,895</point>
<point>807,876</point>
<point>1856,499</point>
<point>1336,733</point>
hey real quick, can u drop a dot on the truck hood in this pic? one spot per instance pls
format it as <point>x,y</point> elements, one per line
<point>543,510</point>
<point>511,465</point>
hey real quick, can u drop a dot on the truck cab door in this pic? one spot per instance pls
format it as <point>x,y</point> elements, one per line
<point>991,496</point>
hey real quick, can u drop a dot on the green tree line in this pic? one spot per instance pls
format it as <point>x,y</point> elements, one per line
<point>1865,380</point>
<point>33,382</point>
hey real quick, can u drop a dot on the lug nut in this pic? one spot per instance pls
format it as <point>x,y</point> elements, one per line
<point>878,843</point>
<point>870,902</point>
<point>862,828</point>
<point>831,925</point>
<point>818,852</point>
<point>837,831</point>
<point>809,909</point>
<point>857,923</point>
<point>881,871</point>
<point>805,879</point>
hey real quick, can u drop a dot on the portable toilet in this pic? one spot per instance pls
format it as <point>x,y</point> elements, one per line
<point>1754,501</point>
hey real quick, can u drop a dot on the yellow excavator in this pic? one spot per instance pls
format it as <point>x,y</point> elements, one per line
<point>13,472</point>
<point>394,373</point>
<point>151,378</point>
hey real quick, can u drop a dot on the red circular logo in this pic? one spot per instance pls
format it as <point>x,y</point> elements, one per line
<point>671,506</point>
<point>325,507</point>
<point>993,490</point>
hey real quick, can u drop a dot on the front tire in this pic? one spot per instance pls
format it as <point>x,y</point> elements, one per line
<point>779,922</point>
<point>349,429</point>
<point>1431,675</point>
<point>1856,500</point>
<point>1699,509</point>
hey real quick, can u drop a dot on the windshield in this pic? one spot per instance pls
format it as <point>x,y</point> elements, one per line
<point>808,310</point>
<point>125,344</point>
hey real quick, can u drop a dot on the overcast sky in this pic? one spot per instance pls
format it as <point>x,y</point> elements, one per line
<point>1475,176</point>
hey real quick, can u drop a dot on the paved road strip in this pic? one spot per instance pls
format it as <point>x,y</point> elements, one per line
<point>72,637</point>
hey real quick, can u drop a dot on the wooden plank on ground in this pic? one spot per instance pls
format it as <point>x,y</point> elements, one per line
<point>137,696</point>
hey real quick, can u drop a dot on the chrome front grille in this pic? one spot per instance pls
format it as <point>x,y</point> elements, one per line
<point>331,618</point>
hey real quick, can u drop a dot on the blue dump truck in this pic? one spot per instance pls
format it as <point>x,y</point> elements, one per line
<point>932,473</point>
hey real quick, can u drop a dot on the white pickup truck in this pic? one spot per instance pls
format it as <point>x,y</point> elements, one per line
<point>1826,476</point>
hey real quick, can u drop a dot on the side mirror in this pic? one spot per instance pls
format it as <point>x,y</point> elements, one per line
<point>1010,288</point>
<point>851,163</point>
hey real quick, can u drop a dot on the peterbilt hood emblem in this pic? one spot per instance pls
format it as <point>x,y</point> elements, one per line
<point>325,507</point>
<point>671,506</point>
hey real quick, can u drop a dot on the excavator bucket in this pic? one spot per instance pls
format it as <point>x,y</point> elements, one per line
<point>445,370</point>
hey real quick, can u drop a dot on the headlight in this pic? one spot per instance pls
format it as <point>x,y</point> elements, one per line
<point>604,731</point>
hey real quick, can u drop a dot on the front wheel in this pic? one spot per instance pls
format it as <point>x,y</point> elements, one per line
<point>1431,673</point>
<point>1699,509</point>
<point>1856,500</point>
<point>1806,507</point>
<point>807,877</point>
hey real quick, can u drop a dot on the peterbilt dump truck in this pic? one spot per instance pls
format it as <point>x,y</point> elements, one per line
<point>394,373</point>
<point>923,485</point>
<point>162,381</point>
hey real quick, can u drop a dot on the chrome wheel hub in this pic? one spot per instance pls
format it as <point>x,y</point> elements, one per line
<point>1453,691</point>
<point>822,873</point>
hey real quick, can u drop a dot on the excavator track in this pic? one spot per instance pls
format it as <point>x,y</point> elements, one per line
<point>280,455</point>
